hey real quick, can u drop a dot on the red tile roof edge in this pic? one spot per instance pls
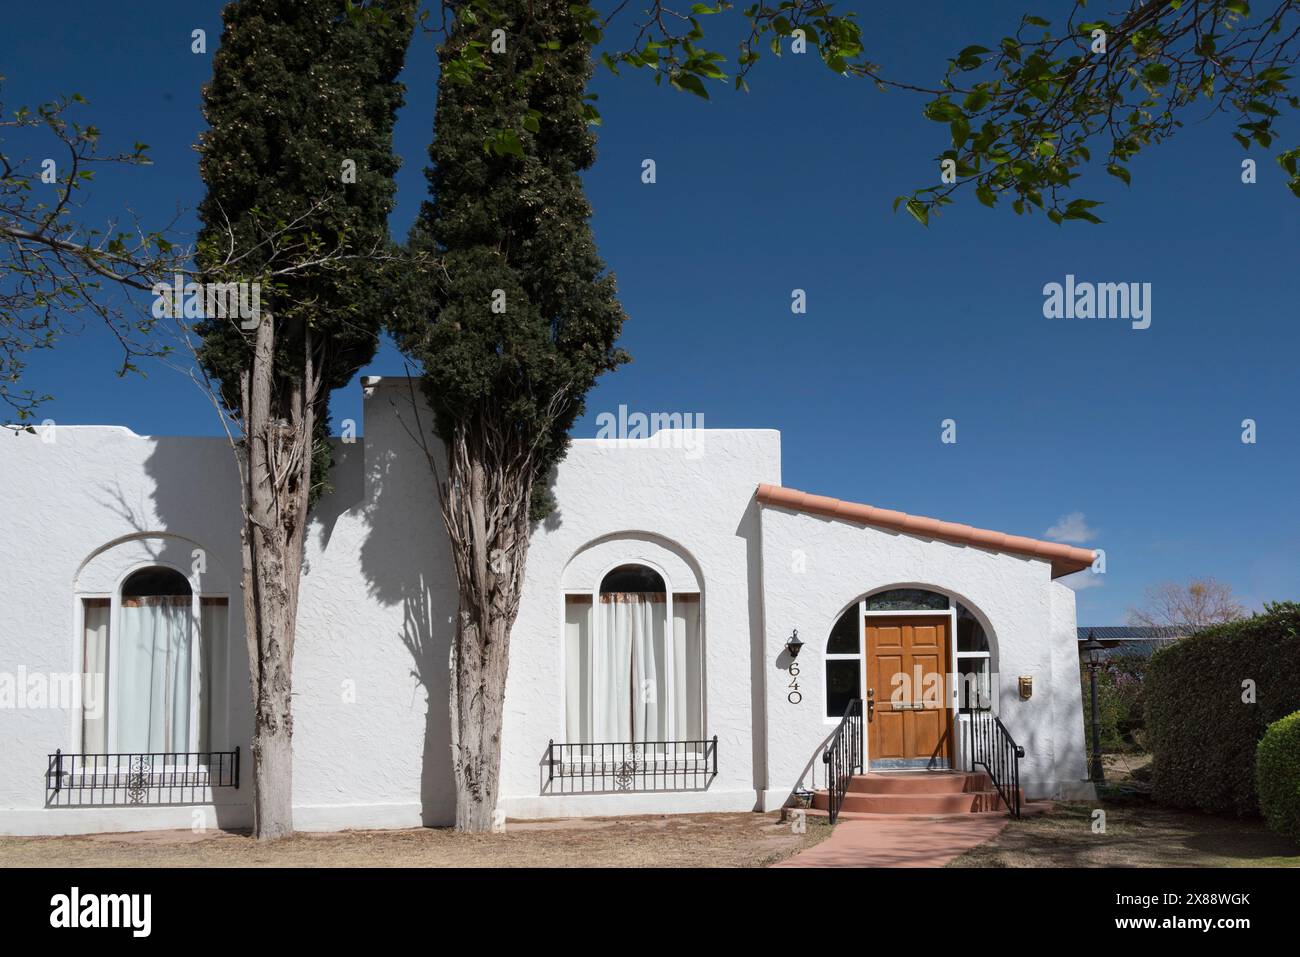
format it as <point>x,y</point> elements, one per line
<point>1065,559</point>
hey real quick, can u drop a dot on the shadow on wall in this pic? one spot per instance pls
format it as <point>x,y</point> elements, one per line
<point>196,496</point>
<point>406,561</point>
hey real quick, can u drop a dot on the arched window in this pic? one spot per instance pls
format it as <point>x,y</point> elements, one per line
<point>973,661</point>
<point>844,662</point>
<point>155,654</point>
<point>633,661</point>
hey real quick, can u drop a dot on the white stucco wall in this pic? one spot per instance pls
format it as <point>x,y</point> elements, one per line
<point>1071,758</point>
<point>686,505</point>
<point>814,568</point>
<point>86,506</point>
<point>371,741</point>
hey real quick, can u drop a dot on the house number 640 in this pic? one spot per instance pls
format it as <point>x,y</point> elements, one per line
<point>795,695</point>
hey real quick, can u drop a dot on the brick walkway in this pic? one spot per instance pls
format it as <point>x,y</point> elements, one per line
<point>893,841</point>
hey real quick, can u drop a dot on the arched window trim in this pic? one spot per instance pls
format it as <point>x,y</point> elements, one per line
<point>592,595</point>
<point>197,598</point>
<point>955,656</point>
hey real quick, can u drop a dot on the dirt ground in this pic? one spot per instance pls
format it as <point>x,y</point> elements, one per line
<point>684,840</point>
<point>1138,834</point>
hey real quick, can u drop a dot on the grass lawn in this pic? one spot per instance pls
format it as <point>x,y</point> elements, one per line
<point>685,840</point>
<point>1138,834</point>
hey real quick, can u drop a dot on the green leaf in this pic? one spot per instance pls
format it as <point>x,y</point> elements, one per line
<point>1156,73</point>
<point>506,142</point>
<point>942,111</point>
<point>960,129</point>
<point>1119,172</point>
<point>919,212</point>
<point>690,83</point>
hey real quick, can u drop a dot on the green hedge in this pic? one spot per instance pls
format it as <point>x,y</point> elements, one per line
<point>1277,775</point>
<point>1203,736</point>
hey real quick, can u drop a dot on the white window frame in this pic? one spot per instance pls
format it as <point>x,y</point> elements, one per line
<point>110,684</point>
<point>594,594</point>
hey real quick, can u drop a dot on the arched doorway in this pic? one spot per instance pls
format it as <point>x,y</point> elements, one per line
<point>917,658</point>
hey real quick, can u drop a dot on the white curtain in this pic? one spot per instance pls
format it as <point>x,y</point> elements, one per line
<point>152,675</point>
<point>626,679</point>
<point>213,674</point>
<point>577,668</point>
<point>624,689</point>
<point>94,707</point>
<point>688,704</point>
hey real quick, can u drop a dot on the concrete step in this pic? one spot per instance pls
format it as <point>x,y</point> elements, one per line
<point>961,803</point>
<point>920,782</point>
<point>1027,809</point>
<point>918,793</point>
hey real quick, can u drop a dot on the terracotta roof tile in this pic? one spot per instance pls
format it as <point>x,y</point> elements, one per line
<point>1064,558</point>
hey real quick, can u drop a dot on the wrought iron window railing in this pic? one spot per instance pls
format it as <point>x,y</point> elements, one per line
<point>993,748</point>
<point>843,756</point>
<point>148,777</point>
<point>629,766</point>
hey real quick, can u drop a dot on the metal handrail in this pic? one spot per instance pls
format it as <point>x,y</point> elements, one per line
<point>992,746</point>
<point>843,756</point>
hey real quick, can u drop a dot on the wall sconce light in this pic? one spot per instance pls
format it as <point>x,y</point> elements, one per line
<point>794,644</point>
<point>1026,687</point>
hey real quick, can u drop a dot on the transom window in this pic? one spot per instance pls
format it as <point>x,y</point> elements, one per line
<point>633,661</point>
<point>155,654</point>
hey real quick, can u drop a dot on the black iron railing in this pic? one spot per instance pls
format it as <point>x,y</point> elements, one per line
<point>993,748</point>
<point>843,756</point>
<point>165,777</point>
<point>630,766</point>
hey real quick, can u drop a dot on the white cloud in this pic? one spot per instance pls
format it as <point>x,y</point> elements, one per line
<point>1072,529</point>
<point>1081,581</point>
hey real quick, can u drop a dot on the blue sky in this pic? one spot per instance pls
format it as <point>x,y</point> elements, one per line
<point>790,187</point>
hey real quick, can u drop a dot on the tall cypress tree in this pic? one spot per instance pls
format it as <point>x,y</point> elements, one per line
<point>512,333</point>
<point>299,167</point>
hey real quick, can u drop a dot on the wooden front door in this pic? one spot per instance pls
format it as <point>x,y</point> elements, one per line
<point>908,722</point>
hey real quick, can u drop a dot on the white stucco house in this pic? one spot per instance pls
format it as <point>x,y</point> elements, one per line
<point>654,666</point>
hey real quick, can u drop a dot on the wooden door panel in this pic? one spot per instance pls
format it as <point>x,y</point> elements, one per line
<point>925,733</point>
<point>902,646</point>
<point>926,638</point>
<point>890,739</point>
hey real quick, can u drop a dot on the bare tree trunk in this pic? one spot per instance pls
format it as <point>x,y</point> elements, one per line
<point>485,507</point>
<point>278,434</point>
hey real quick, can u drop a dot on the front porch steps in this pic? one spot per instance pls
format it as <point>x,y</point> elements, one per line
<point>924,793</point>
